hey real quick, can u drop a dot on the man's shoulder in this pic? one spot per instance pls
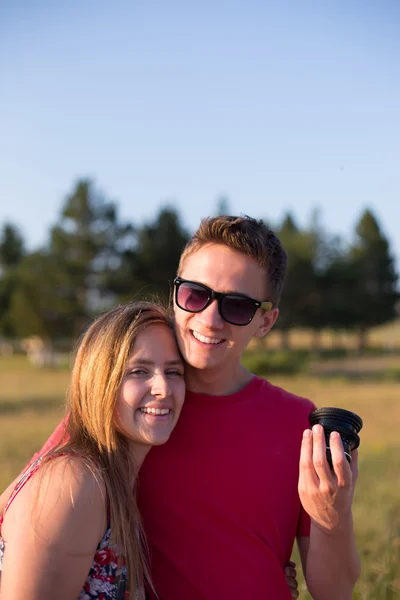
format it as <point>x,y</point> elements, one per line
<point>284,397</point>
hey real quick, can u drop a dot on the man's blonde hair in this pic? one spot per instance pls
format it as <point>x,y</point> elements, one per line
<point>249,236</point>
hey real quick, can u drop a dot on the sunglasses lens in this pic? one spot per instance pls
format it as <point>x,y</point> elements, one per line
<point>236,310</point>
<point>192,297</point>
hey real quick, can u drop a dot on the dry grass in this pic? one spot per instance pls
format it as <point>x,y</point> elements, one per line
<point>21,435</point>
<point>31,404</point>
<point>387,337</point>
<point>377,403</point>
<point>377,499</point>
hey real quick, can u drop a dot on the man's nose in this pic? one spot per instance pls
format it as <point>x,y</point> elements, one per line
<point>210,316</point>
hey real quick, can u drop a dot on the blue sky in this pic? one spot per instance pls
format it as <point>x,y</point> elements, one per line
<point>287,106</point>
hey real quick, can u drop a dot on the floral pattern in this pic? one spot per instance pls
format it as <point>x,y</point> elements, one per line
<point>105,575</point>
<point>2,547</point>
<point>106,579</point>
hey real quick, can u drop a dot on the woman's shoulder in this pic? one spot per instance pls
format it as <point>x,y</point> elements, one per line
<point>80,472</point>
<point>63,500</point>
<point>68,475</point>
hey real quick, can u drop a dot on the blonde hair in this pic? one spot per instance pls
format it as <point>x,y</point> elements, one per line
<point>91,433</point>
<point>249,236</point>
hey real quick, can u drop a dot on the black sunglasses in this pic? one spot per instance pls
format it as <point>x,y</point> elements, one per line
<point>236,309</point>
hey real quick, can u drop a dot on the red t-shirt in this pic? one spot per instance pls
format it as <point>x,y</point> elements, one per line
<point>219,500</point>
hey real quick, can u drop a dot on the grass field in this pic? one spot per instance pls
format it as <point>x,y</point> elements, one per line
<point>386,337</point>
<point>31,404</point>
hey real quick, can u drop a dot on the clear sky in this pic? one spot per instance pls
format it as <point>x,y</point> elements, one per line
<point>277,105</point>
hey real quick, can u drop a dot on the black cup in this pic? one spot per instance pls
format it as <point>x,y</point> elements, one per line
<point>347,423</point>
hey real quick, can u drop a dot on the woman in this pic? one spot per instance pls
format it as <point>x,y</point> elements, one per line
<point>70,529</point>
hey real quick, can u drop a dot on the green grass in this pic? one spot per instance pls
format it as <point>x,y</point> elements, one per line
<point>31,405</point>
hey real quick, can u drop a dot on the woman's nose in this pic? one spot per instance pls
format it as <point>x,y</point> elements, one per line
<point>160,385</point>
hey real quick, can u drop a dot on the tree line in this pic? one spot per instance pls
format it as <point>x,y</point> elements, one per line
<point>93,259</point>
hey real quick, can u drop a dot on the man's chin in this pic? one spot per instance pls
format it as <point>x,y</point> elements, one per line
<point>201,362</point>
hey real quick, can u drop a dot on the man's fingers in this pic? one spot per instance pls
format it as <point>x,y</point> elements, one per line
<point>320,462</point>
<point>292,583</point>
<point>291,563</point>
<point>308,477</point>
<point>290,575</point>
<point>340,463</point>
<point>290,572</point>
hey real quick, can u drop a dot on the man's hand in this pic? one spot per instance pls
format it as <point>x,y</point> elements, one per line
<point>290,574</point>
<point>326,495</point>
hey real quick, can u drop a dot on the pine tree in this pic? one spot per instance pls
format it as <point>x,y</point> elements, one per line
<point>11,247</point>
<point>62,285</point>
<point>373,293</point>
<point>159,246</point>
<point>12,250</point>
<point>297,296</point>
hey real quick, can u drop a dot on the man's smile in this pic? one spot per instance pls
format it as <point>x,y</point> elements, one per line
<point>205,339</point>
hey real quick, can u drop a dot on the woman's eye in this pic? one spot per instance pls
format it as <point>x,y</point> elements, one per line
<point>138,372</point>
<point>175,372</point>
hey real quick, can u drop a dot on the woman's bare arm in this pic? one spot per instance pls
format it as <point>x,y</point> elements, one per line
<point>6,494</point>
<point>52,529</point>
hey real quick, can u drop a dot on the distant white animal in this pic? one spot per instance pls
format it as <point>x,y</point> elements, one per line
<point>39,351</point>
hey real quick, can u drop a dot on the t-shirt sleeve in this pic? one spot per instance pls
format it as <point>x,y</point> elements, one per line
<point>56,437</point>
<point>304,522</point>
<point>303,525</point>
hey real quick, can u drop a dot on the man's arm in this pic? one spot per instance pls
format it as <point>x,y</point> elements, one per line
<point>329,557</point>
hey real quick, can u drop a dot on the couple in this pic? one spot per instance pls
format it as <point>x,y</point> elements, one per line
<point>240,478</point>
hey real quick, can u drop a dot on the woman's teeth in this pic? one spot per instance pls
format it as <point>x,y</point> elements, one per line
<point>156,411</point>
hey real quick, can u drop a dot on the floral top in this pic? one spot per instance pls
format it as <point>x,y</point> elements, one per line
<point>105,581</point>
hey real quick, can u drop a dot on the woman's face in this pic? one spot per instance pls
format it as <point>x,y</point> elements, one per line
<point>153,389</point>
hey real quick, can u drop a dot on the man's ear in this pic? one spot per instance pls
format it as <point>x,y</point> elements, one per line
<point>268,321</point>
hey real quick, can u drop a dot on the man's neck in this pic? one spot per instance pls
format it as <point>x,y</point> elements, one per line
<point>219,382</point>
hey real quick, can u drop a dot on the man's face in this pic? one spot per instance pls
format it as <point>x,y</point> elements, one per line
<point>205,339</point>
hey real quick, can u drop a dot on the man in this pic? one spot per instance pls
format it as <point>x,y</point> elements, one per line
<point>223,500</point>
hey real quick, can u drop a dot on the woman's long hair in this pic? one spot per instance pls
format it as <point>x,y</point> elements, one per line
<point>91,432</point>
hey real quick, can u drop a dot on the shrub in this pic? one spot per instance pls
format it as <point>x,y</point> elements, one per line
<point>264,362</point>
